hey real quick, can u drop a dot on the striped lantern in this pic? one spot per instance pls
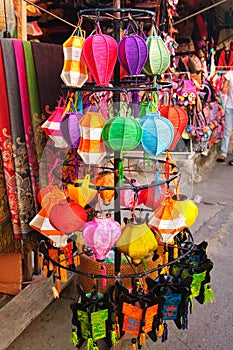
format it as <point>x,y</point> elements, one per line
<point>100,55</point>
<point>158,55</point>
<point>167,220</point>
<point>132,52</point>
<point>179,119</point>
<point>157,133</point>
<point>91,147</point>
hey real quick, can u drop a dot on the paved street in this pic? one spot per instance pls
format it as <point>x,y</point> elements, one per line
<point>210,325</point>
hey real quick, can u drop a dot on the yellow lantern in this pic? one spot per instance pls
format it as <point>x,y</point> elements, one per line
<point>186,207</point>
<point>106,179</point>
<point>82,194</point>
<point>137,241</point>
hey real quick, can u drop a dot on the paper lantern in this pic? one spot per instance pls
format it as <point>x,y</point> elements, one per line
<point>158,55</point>
<point>122,133</point>
<point>179,119</point>
<point>157,133</point>
<point>91,147</point>
<point>67,217</point>
<point>127,197</point>
<point>70,128</point>
<point>132,52</point>
<point>100,55</point>
<point>137,241</point>
<point>167,220</point>
<point>100,235</point>
<point>105,179</point>
<point>186,207</point>
<point>81,192</point>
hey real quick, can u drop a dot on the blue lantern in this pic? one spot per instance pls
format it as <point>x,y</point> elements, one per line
<point>157,133</point>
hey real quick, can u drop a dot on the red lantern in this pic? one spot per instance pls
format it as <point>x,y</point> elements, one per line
<point>67,217</point>
<point>179,119</point>
<point>152,196</point>
<point>100,55</point>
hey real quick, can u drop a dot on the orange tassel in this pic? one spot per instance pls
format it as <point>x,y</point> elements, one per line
<point>77,260</point>
<point>160,330</point>
<point>58,285</point>
<point>175,251</point>
<point>45,270</point>
<point>134,346</point>
<point>55,293</point>
<point>117,330</point>
<point>142,340</point>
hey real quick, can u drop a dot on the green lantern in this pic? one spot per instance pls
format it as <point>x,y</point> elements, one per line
<point>158,55</point>
<point>122,133</point>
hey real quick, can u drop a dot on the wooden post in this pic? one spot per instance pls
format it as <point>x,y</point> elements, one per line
<point>20,7</point>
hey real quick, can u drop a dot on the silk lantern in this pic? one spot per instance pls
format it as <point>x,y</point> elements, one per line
<point>186,207</point>
<point>167,220</point>
<point>100,235</point>
<point>81,192</point>
<point>100,54</point>
<point>91,147</point>
<point>130,198</point>
<point>157,133</point>
<point>105,179</point>
<point>132,52</point>
<point>153,196</point>
<point>67,217</point>
<point>122,133</point>
<point>70,128</point>
<point>158,55</point>
<point>137,241</point>
<point>179,119</point>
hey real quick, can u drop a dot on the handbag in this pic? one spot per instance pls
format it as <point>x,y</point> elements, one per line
<point>74,72</point>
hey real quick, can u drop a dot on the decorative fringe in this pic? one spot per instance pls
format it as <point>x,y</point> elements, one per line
<point>117,329</point>
<point>114,337</point>
<point>160,330</point>
<point>74,338</point>
<point>90,343</point>
<point>63,272</point>
<point>134,344</point>
<point>209,296</point>
<point>165,333</point>
<point>142,339</point>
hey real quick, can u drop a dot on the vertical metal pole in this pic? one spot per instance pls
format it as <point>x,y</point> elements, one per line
<point>117,157</point>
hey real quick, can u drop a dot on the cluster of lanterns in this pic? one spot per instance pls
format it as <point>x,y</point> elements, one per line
<point>100,51</point>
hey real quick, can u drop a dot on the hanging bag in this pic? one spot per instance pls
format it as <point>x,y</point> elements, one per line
<point>74,72</point>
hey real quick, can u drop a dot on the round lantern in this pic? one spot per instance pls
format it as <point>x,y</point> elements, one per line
<point>132,52</point>
<point>186,207</point>
<point>70,129</point>
<point>128,197</point>
<point>179,119</point>
<point>157,133</point>
<point>167,220</point>
<point>100,54</point>
<point>153,196</point>
<point>100,235</point>
<point>80,191</point>
<point>105,179</point>
<point>122,133</point>
<point>91,147</point>
<point>67,217</point>
<point>137,241</point>
<point>158,55</point>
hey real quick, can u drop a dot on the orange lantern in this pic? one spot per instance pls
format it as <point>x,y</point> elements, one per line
<point>167,220</point>
<point>179,119</point>
<point>80,192</point>
<point>105,179</point>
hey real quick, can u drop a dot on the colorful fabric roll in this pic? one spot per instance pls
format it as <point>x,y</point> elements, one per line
<point>26,207</point>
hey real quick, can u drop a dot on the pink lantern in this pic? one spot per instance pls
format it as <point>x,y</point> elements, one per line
<point>128,198</point>
<point>100,235</point>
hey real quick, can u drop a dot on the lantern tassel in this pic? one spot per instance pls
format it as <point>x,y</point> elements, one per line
<point>114,337</point>
<point>117,329</point>
<point>160,330</point>
<point>165,333</point>
<point>134,346</point>
<point>90,343</point>
<point>74,338</point>
<point>104,280</point>
<point>55,292</point>
<point>142,340</point>
<point>63,272</point>
<point>209,296</point>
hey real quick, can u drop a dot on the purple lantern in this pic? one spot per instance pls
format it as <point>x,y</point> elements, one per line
<point>100,235</point>
<point>70,129</point>
<point>132,52</point>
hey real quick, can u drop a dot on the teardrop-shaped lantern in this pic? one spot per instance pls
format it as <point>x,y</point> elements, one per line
<point>67,217</point>
<point>70,128</point>
<point>137,241</point>
<point>100,54</point>
<point>122,133</point>
<point>179,119</point>
<point>157,133</point>
<point>100,235</point>
<point>186,207</point>
<point>158,55</point>
<point>132,52</point>
<point>167,220</point>
<point>91,147</point>
<point>81,192</point>
<point>105,179</point>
